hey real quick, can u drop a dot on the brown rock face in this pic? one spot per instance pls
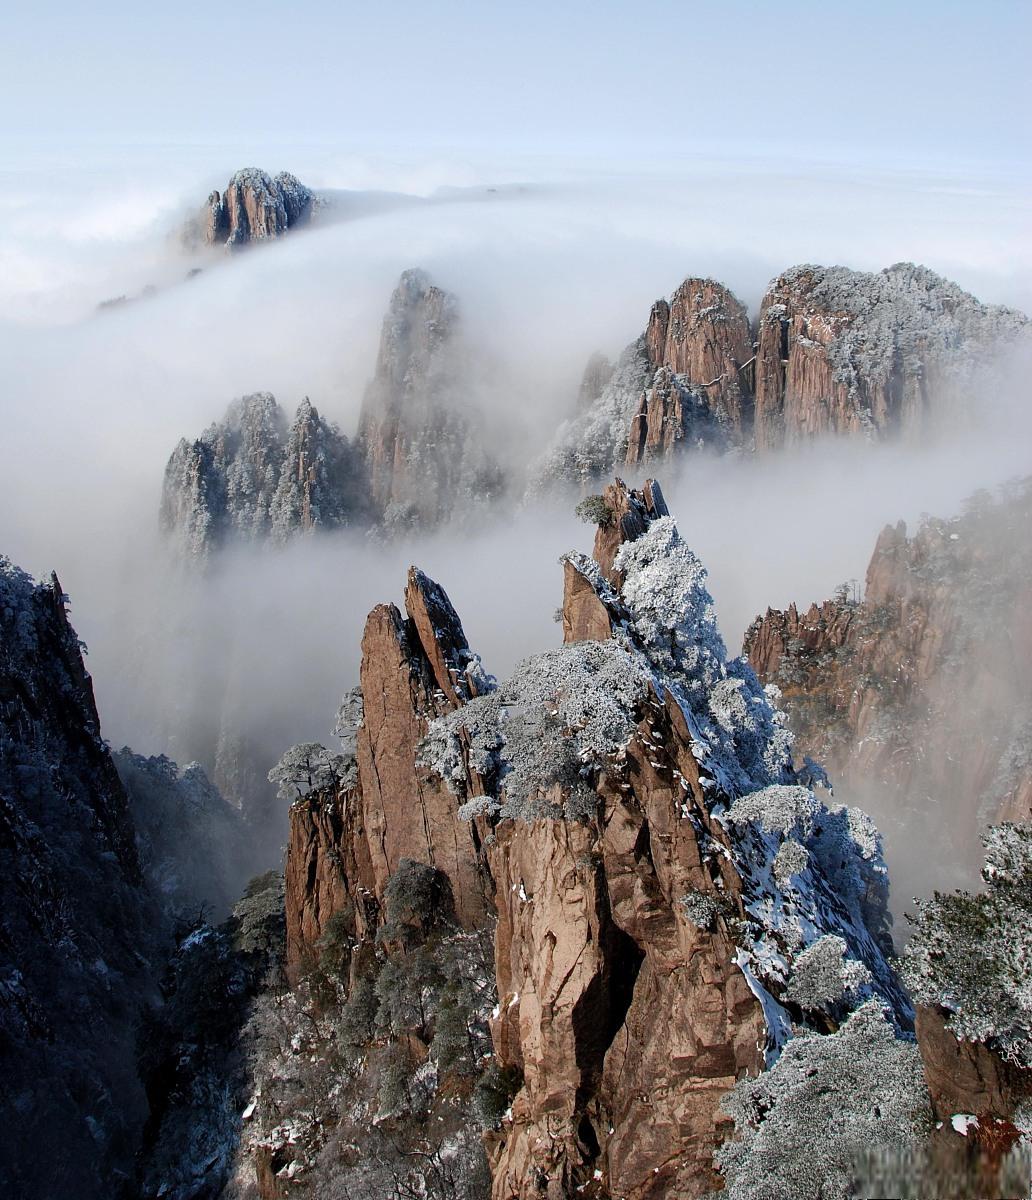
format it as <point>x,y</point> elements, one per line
<point>328,871</point>
<point>845,352</point>
<point>704,335</point>
<point>700,346</point>
<point>256,207</point>
<point>628,1022</point>
<point>923,688</point>
<point>966,1077</point>
<point>627,1008</point>
<point>344,847</point>
<point>969,1078</point>
<point>408,812</point>
<point>423,442</point>
<point>585,617</point>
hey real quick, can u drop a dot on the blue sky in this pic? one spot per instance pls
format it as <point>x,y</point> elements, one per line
<point>918,82</point>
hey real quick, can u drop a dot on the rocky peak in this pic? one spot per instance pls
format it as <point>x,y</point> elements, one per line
<point>420,324</point>
<point>838,352</point>
<point>684,383</point>
<point>623,515</point>
<point>632,513</point>
<point>425,445</point>
<point>628,809</point>
<point>703,336</point>
<point>921,688</point>
<point>879,354</point>
<point>255,207</point>
<point>249,478</point>
<point>347,842</point>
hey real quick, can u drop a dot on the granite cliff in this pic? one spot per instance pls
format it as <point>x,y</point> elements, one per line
<point>920,692</point>
<point>427,449</point>
<point>880,354</point>
<point>75,915</point>
<point>256,207</point>
<point>622,820</point>
<point>833,351</point>
<point>107,860</point>
<point>420,457</point>
<point>685,382</point>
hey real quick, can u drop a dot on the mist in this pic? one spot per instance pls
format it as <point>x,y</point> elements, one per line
<point>549,266</point>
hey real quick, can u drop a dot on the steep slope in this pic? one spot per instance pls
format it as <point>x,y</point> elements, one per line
<point>120,1009</point>
<point>249,478</point>
<point>684,383</point>
<point>850,352</point>
<point>414,668</point>
<point>657,882</point>
<point>78,925</point>
<point>919,698</point>
<point>426,447</point>
<point>657,872</point>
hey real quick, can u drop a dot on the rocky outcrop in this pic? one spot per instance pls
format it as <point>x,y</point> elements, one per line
<point>703,340</point>
<point>420,457</point>
<point>848,352</point>
<point>78,924</point>
<point>922,689</point>
<point>408,669</point>
<point>630,514</point>
<point>628,1017</point>
<point>967,1076</point>
<point>425,445</point>
<point>628,1021</point>
<point>834,352</point>
<point>346,844</point>
<point>319,882</point>
<point>618,804</point>
<point>255,207</point>
<point>250,478</point>
<point>685,383</point>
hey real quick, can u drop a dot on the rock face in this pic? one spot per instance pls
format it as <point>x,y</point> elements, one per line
<point>923,688</point>
<point>425,446</point>
<point>346,845</point>
<point>966,1076</point>
<point>834,352</point>
<point>847,352</point>
<point>255,207</point>
<point>77,921</point>
<point>686,382</point>
<point>618,804</point>
<point>702,343</point>
<point>251,479</point>
<point>420,457</point>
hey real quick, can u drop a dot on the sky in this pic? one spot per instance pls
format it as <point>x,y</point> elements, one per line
<point>563,165</point>
<point>921,82</point>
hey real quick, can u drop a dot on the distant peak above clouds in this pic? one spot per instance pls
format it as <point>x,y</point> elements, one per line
<point>254,207</point>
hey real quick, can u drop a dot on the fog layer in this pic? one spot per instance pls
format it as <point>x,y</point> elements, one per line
<point>546,273</point>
